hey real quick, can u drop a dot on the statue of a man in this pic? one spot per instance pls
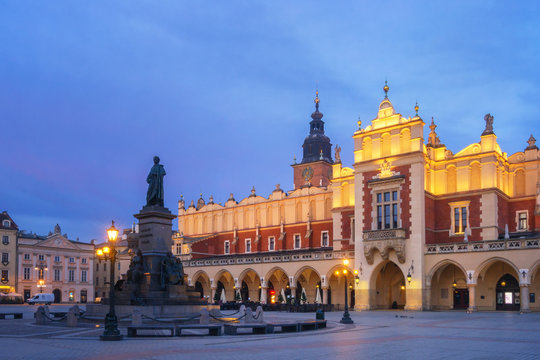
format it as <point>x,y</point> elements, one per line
<point>154,196</point>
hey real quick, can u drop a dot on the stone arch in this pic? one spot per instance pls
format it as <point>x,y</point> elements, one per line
<point>278,280</point>
<point>447,283</point>
<point>336,285</point>
<point>405,140</point>
<point>488,276</point>
<point>519,182</point>
<point>441,264</point>
<point>345,194</point>
<point>388,280</point>
<point>309,279</point>
<point>227,279</point>
<point>270,272</point>
<point>386,145</point>
<point>475,177</point>
<point>451,179</point>
<point>535,268</point>
<point>250,283</point>
<point>486,264</point>
<point>367,148</point>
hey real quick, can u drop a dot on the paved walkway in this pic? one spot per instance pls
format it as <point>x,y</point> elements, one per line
<point>379,334</point>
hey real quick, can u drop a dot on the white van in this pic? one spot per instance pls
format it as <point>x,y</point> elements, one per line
<point>41,299</point>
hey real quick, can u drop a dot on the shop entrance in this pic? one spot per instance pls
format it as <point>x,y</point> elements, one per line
<point>507,293</point>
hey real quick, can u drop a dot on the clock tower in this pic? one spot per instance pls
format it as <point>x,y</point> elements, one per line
<point>316,166</point>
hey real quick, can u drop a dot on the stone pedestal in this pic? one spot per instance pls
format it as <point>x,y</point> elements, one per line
<point>155,241</point>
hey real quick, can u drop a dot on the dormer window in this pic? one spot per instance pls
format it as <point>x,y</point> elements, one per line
<point>6,223</point>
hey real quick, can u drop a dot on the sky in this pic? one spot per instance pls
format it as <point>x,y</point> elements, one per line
<point>222,91</point>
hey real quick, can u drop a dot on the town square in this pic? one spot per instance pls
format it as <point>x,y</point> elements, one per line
<point>306,180</point>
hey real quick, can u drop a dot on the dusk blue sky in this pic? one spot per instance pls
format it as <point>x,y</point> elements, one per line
<point>222,91</point>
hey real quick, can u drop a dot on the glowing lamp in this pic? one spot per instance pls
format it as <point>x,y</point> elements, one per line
<point>112,233</point>
<point>106,250</point>
<point>346,262</point>
<point>99,252</point>
<point>337,272</point>
<point>357,280</point>
<point>345,271</point>
<point>503,283</point>
<point>355,272</point>
<point>454,284</point>
<point>409,277</point>
<point>402,287</point>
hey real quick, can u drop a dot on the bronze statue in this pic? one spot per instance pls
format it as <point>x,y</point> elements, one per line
<point>154,196</point>
<point>136,268</point>
<point>172,271</point>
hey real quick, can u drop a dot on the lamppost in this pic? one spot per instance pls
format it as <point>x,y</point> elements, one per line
<point>41,268</point>
<point>346,319</point>
<point>111,332</point>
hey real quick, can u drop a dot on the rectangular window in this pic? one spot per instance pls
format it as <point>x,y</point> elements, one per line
<point>26,273</point>
<point>523,223</point>
<point>83,276</point>
<point>297,241</point>
<point>97,281</point>
<point>5,239</point>
<point>178,247</point>
<point>41,257</point>
<point>5,258</point>
<point>97,267</point>
<point>26,256</point>
<point>83,260</point>
<point>5,276</point>
<point>248,245</point>
<point>71,275</point>
<point>71,260</point>
<point>271,243</point>
<point>118,266</point>
<point>324,239</point>
<point>387,210</point>
<point>227,247</point>
<point>104,266</point>
<point>57,259</point>
<point>460,216</point>
<point>57,274</point>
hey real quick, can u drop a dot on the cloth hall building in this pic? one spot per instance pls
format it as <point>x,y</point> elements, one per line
<point>423,227</point>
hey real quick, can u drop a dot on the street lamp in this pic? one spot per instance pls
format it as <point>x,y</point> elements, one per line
<point>111,332</point>
<point>41,267</point>
<point>346,319</point>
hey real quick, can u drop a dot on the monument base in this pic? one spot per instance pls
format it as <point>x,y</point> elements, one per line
<point>154,311</point>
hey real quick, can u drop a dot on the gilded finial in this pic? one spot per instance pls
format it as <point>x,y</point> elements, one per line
<point>359,122</point>
<point>416,108</point>
<point>386,88</point>
<point>317,100</point>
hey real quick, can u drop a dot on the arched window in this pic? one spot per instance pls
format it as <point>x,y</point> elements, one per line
<point>520,182</point>
<point>366,147</point>
<point>475,176</point>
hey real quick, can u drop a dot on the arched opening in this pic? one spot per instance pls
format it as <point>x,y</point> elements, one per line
<point>278,281</point>
<point>497,286</point>
<point>449,288</point>
<point>57,295</point>
<point>309,280</point>
<point>338,284</point>
<point>507,293</point>
<point>225,282</point>
<point>520,182</point>
<point>250,285</point>
<point>476,176</point>
<point>366,148</point>
<point>199,288</point>
<point>389,287</point>
<point>202,285</point>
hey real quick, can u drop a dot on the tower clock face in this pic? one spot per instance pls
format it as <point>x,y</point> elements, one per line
<point>307,173</point>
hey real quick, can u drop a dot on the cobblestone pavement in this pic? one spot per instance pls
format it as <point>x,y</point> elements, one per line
<point>377,334</point>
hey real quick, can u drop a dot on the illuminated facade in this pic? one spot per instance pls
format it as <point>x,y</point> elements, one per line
<point>273,248</point>
<point>55,264</point>
<point>438,230</point>
<point>427,228</point>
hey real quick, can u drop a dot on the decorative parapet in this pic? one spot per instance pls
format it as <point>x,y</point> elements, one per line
<point>494,245</point>
<point>384,241</point>
<point>287,256</point>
